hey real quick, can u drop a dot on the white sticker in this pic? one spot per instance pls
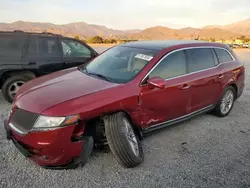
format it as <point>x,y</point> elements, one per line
<point>144,57</point>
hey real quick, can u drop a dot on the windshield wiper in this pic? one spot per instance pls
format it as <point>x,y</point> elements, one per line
<point>85,70</point>
<point>98,75</point>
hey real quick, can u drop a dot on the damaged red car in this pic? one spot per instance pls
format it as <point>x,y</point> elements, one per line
<point>121,95</point>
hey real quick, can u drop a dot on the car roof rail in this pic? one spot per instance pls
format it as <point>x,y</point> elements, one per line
<point>18,31</point>
<point>32,33</point>
<point>48,33</point>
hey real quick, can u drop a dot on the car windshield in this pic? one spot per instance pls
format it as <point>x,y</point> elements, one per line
<point>119,64</point>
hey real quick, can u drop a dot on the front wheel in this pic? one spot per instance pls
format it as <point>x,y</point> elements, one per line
<point>122,140</point>
<point>225,105</point>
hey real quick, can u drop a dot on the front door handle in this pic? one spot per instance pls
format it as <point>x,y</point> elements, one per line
<point>220,76</point>
<point>185,87</point>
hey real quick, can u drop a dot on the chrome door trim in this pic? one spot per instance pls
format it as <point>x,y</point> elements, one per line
<point>188,48</point>
<point>172,121</point>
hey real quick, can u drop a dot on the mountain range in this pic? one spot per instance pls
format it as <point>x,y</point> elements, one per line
<point>81,29</point>
<point>85,30</point>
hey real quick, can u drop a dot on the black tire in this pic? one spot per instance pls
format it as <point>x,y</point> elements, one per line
<point>217,111</point>
<point>8,83</point>
<point>118,135</point>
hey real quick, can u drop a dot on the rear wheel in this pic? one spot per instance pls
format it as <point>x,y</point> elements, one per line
<point>122,140</point>
<point>225,105</point>
<point>11,86</point>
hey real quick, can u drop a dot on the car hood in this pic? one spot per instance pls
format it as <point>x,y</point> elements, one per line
<point>44,92</point>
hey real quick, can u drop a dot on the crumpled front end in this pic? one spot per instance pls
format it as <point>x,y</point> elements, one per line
<point>52,148</point>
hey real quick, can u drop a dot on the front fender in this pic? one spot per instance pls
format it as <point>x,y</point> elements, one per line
<point>100,104</point>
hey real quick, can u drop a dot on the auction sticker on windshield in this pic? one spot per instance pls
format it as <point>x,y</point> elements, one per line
<point>144,57</point>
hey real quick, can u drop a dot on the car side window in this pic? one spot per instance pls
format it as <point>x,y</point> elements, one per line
<point>43,46</point>
<point>200,59</point>
<point>171,66</point>
<point>12,45</point>
<point>223,55</point>
<point>72,48</point>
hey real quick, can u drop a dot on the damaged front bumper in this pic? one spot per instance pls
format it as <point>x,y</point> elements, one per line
<point>51,149</point>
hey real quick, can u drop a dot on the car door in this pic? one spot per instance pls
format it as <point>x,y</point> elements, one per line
<point>160,105</point>
<point>12,48</point>
<point>74,53</point>
<point>204,78</point>
<point>43,54</point>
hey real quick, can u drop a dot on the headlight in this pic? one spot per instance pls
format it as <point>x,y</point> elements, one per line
<point>53,122</point>
<point>48,122</point>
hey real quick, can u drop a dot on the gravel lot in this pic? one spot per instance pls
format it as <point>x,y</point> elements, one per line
<point>203,152</point>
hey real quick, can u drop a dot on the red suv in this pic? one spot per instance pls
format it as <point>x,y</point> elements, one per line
<point>122,94</point>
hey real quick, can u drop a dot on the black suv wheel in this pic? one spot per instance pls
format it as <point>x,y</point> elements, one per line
<point>11,86</point>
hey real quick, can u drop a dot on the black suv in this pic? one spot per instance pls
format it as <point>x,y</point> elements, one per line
<point>24,56</point>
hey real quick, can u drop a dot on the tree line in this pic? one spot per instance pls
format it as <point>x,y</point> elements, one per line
<point>244,39</point>
<point>98,40</point>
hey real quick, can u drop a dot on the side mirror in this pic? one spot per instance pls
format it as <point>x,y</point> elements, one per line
<point>157,82</point>
<point>94,54</point>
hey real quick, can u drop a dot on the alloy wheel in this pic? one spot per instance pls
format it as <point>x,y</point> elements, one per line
<point>227,102</point>
<point>131,137</point>
<point>14,88</point>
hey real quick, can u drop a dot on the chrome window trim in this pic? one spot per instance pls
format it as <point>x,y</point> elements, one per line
<point>188,48</point>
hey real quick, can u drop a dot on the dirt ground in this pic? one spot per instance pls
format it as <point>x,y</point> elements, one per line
<point>205,151</point>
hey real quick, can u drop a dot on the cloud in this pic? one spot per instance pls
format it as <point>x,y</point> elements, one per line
<point>127,13</point>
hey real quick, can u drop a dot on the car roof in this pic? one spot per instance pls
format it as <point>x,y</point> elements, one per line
<point>20,32</point>
<point>162,44</point>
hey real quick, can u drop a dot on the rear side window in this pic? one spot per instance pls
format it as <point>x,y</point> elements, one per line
<point>172,66</point>
<point>43,46</point>
<point>200,59</point>
<point>223,55</point>
<point>11,45</point>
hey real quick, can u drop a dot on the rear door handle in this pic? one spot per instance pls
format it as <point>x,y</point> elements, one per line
<point>185,87</point>
<point>220,76</point>
<point>32,63</point>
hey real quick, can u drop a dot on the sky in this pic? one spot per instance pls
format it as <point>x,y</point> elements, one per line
<point>127,14</point>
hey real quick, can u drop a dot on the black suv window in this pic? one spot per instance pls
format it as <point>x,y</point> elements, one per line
<point>172,66</point>
<point>223,55</point>
<point>200,59</point>
<point>11,45</point>
<point>43,46</point>
<point>72,48</point>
